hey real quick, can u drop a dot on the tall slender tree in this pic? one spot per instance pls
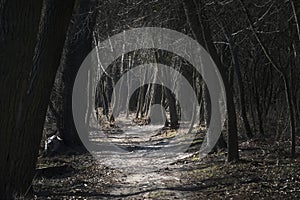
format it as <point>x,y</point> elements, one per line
<point>201,31</point>
<point>284,77</point>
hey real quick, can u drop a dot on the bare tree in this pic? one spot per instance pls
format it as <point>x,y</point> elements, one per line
<point>284,77</point>
<point>202,33</point>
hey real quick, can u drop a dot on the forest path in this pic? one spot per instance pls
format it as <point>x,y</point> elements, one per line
<point>146,169</point>
<point>265,172</point>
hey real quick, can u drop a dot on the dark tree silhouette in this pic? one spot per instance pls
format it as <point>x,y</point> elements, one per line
<point>29,59</point>
<point>201,31</point>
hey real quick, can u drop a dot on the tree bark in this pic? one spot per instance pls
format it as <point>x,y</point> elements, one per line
<point>202,33</point>
<point>28,65</point>
<point>78,45</point>
<point>236,64</point>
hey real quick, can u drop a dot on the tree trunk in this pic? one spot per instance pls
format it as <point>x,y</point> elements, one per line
<point>172,108</point>
<point>296,13</point>
<point>202,33</point>
<point>236,64</point>
<point>28,69</point>
<point>291,115</point>
<point>206,105</point>
<point>75,51</point>
<point>283,75</point>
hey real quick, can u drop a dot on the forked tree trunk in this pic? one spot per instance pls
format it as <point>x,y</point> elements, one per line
<point>27,76</point>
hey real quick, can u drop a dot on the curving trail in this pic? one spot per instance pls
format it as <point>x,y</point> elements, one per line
<point>148,165</point>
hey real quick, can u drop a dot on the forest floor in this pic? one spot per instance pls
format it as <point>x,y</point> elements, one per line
<point>265,171</point>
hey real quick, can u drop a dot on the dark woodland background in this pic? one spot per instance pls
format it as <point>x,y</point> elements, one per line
<point>255,45</point>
